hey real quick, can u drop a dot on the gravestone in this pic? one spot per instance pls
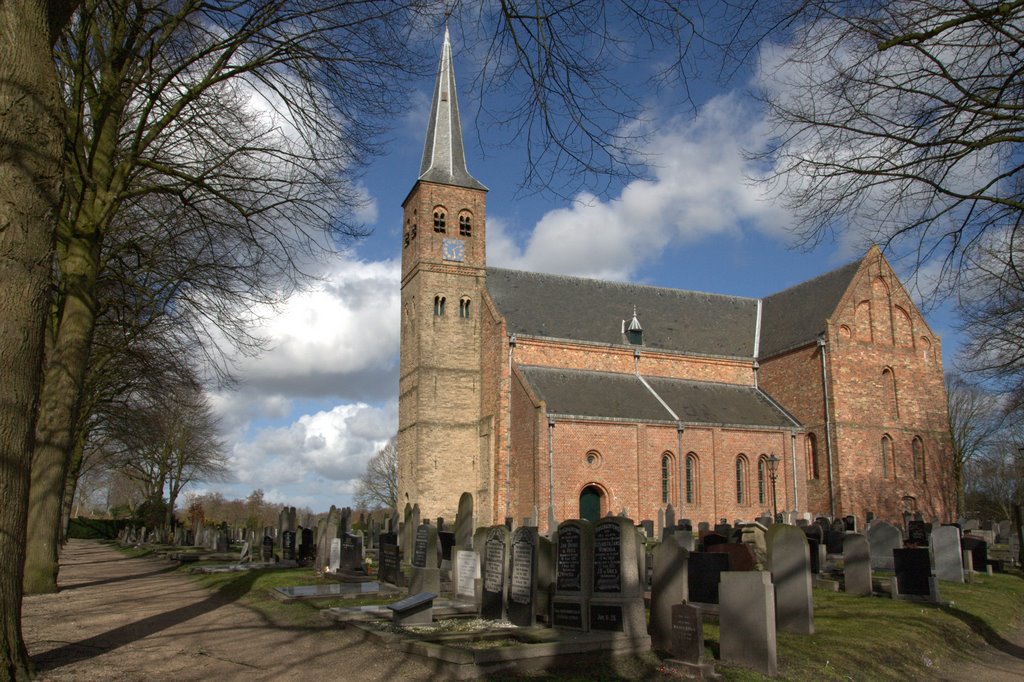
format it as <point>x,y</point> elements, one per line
<point>917,533</point>
<point>1004,531</point>
<point>493,571</point>
<point>834,540</point>
<point>352,557</point>
<point>747,617</point>
<point>446,541</point>
<point>391,564</point>
<point>405,534</point>
<point>705,572</point>
<point>857,565</point>
<point>288,545</point>
<point>687,642</point>
<point>648,527</point>
<point>661,523</point>
<point>947,554</point>
<point>753,535</point>
<point>815,550</point>
<point>850,522</point>
<point>307,547</point>
<point>334,562</point>
<point>685,539</point>
<point>267,553</point>
<point>617,601</point>
<point>464,522</point>
<point>466,574</point>
<point>668,589</point>
<point>574,560</point>
<point>425,575</point>
<point>670,516</point>
<point>703,528</point>
<point>714,538</point>
<point>978,551</point>
<point>789,560</point>
<point>913,574</point>
<point>522,587</point>
<point>883,538</point>
<point>545,575</point>
<point>741,556</point>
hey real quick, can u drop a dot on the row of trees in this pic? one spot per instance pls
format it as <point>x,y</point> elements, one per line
<point>169,168</point>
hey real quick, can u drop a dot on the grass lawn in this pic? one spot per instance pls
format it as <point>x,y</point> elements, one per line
<point>856,638</point>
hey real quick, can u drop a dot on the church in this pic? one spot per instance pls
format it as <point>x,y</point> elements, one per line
<point>550,397</point>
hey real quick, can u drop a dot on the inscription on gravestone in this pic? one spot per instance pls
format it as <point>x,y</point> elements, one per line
<point>606,617</point>
<point>607,568</point>
<point>569,560</point>
<point>523,577</point>
<point>419,551</point>
<point>288,545</point>
<point>389,564</point>
<point>468,572</point>
<point>495,561</point>
<point>567,615</point>
<point>687,634</point>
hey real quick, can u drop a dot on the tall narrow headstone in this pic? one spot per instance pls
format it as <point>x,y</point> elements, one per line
<point>668,589</point>
<point>747,617</point>
<point>945,544</point>
<point>789,560</point>
<point>426,576</point>
<point>883,538</point>
<point>522,587</point>
<point>857,565</point>
<point>464,522</point>
<point>494,570</point>
<point>574,560</point>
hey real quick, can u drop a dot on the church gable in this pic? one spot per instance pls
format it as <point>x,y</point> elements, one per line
<point>597,311</point>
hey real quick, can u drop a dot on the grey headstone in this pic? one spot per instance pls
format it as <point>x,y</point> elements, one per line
<point>687,634</point>
<point>669,587</point>
<point>574,562</point>
<point>883,538</point>
<point>522,587</point>
<point>617,601</point>
<point>464,522</point>
<point>946,552</point>
<point>494,572</point>
<point>857,564</point>
<point>789,560</point>
<point>747,617</point>
<point>467,571</point>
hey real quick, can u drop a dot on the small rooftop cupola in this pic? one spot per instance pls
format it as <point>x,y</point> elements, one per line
<point>444,158</point>
<point>634,332</point>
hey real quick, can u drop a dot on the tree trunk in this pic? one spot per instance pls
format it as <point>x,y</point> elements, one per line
<point>60,400</point>
<point>31,142</point>
<point>71,485</point>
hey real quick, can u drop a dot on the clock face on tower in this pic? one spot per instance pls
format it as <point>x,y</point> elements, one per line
<point>453,249</point>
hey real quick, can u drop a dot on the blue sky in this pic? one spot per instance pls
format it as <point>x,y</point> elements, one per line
<point>311,411</point>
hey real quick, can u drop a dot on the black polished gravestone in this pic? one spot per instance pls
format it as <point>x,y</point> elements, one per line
<point>917,533</point>
<point>607,564</point>
<point>979,552</point>
<point>390,564</point>
<point>705,573</point>
<point>569,560</point>
<point>306,547</point>
<point>288,545</point>
<point>913,570</point>
<point>352,552</point>
<point>495,558</point>
<point>267,552</point>
<point>522,584</point>
<point>419,547</point>
<point>447,540</point>
<point>687,634</point>
<point>834,541</point>
<point>815,555</point>
<point>713,538</point>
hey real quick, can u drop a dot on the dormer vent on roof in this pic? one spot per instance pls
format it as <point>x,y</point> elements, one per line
<point>635,332</point>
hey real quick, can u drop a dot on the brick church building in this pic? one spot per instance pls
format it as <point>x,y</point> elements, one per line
<point>551,397</point>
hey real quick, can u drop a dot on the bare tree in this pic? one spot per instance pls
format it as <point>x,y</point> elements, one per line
<point>976,421</point>
<point>902,121</point>
<point>378,486</point>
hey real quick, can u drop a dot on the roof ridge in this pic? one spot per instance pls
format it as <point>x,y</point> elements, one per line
<point>623,285</point>
<point>856,261</point>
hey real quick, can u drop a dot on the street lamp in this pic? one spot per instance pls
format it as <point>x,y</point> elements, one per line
<point>773,465</point>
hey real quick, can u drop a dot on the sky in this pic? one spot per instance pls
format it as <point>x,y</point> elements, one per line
<point>307,414</point>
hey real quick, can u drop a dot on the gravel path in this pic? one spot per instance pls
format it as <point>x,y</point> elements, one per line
<point>117,618</point>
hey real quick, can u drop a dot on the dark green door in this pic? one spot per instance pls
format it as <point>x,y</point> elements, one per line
<point>590,504</point>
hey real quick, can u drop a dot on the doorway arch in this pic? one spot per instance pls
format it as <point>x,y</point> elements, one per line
<point>591,502</point>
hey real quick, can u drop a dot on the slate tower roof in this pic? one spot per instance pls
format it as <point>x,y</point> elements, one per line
<point>444,158</point>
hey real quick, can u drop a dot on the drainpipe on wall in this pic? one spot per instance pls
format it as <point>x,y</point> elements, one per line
<point>551,474</point>
<point>508,429</point>
<point>682,467</point>
<point>792,452</point>
<point>828,428</point>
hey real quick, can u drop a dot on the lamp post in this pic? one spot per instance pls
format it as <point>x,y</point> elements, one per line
<point>773,465</point>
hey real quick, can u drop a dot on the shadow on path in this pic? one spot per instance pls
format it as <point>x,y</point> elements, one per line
<point>991,637</point>
<point>73,652</point>
<point>107,581</point>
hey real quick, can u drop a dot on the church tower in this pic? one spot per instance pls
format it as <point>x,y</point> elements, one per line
<point>443,259</point>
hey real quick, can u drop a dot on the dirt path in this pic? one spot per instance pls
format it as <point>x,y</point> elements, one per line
<point>117,618</point>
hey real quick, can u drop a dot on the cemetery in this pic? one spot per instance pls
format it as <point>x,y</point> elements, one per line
<point>678,600</point>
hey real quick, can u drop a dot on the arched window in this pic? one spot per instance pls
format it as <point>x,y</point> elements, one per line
<point>762,475</point>
<point>464,308</point>
<point>692,470</point>
<point>812,457</point>
<point>439,306</point>
<point>888,465</point>
<point>465,225</point>
<point>889,393</point>
<point>917,448</point>
<point>741,479</point>
<point>439,219</point>
<point>667,476</point>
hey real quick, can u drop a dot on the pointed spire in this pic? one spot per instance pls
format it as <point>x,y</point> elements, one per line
<point>444,158</point>
<point>634,324</point>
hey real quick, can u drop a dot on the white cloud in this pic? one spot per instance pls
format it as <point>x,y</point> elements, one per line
<point>700,188</point>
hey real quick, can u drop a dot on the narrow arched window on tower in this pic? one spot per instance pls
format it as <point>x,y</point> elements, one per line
<point>691,477</point>
<point>666,478</point>
<point>465,225</point>
<point>464,308</point>
<point>813,471</point>
<point>762,466</point>
<point>917,447</point>
<point>439,220</point>
<point>888,464</point>
<point>439,306</point>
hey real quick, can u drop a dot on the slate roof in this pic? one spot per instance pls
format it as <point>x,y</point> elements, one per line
<point>796,316</point>
<point>623,396</point>
<point>444,157</point>
<point>592,310</point>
